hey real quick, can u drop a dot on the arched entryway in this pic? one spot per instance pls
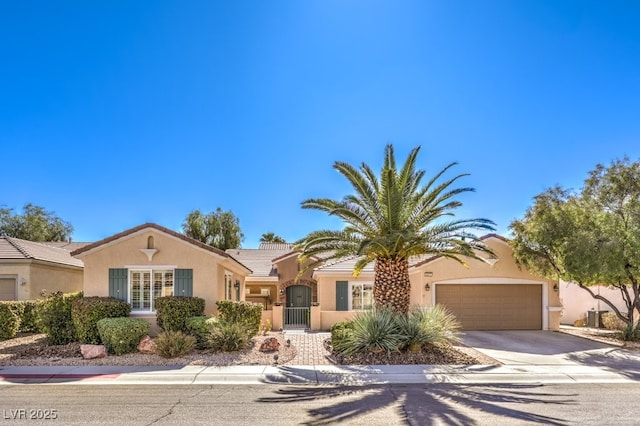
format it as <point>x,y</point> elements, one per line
<point>297,311</point>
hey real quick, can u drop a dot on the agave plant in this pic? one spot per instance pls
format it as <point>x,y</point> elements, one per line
<point>375,330</point>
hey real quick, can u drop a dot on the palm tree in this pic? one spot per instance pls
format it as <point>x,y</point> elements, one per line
<point>270,237</point>
<point>391,218</point>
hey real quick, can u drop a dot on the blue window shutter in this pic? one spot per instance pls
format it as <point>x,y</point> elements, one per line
<point>183,283</point>
<point>118,286</point>
<point>342,295</point>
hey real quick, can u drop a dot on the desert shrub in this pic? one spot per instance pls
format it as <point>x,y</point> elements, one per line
<point>340,333</point>
<point>631,332</point>
<point>54,317</point>
<point>122,335</point>
<point>172,312</point>
<point>611,321</point>
<point>172,344</point>
<point>29,316</point>
<point>265,327</point>
<point>439,325</point>
<point>200,328</point>
<point>9,321</point>
<point>228,336</point>
<point>580,322</point>
<point>87,311</point>
<point>245,313</point>
<point>375,330</point>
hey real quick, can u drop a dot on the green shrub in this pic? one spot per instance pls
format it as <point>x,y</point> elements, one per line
<point>245,313</point>
<point>172,312</point>
<point>631,332</point>
<point>9,321</point>
<point>200,328</point>
<point>29,316</point>
<point>87,311</point>
<point>375,330</point>
<point>228,336</point>
<point>171,344</point>
<point>611,321</point>
<point>122,335</point>
<point>340,333</point>
<point>54,317</point>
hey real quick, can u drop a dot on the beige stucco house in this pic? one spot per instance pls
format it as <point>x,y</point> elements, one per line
<point>149,261</point>
<point>491,295</point>
<point>27,268</point>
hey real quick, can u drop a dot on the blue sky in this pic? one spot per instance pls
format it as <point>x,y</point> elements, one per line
<point>113,114</point>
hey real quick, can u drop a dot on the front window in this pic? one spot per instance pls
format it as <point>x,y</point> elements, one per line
<point>361,296</point>
<point>228,287</point>
<point>147,285</point>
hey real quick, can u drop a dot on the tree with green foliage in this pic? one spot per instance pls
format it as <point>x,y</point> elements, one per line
<point>391,218</point>
<point>218,229</point>
<point>34,224</point>
<point>590,237</point>
<point>270,237</point>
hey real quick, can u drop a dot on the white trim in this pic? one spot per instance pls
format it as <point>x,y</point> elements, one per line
<point>350,293</point>
<point>150,267</point>
<point>256,279</point>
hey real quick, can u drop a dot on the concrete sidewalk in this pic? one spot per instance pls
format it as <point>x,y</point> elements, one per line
<point>308,375</point>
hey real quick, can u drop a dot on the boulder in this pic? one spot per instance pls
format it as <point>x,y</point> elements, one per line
<point>93,351</point>
<point>270,344</point>
<point>147,346</point>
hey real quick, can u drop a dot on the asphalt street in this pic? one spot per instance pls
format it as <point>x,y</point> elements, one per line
<point>433,404</point>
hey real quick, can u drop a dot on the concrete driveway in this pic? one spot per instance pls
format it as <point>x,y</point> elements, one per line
<point>515,347</point>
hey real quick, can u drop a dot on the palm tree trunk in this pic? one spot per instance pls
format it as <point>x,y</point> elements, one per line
<point>391,287</point>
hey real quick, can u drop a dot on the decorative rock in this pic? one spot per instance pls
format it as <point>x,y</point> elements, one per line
<point>147,346</point>
<point>270,344</point>
<point>93,351</point>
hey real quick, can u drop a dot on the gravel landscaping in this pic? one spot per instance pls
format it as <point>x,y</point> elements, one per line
<point>32,349</point>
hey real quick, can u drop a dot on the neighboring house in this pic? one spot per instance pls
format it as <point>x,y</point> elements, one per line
<point>27,268</point>
<point>148,261</point>
<point>496,295</point>
<point>577,302</point>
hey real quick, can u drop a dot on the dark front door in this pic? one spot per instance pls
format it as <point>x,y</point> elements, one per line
<point>297,310</point>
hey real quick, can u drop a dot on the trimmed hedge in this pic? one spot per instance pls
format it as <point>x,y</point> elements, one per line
<point>122,335</point>
<point>172,312</point>
<point>54,317</point>
<point>87,311</point>
<point>9,321</point>
<point>340,334</point>
<point>249,315</point>
<point>29,316</point>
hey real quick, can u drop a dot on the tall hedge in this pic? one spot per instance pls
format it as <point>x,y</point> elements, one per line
<point>87,311</point>
<point>54,317</point>
<point>172,312</point>
<point>9,321</point>
<point>247,314</point>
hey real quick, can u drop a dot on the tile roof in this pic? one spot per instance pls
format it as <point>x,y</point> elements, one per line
<point>161,229</point>
<point>276,246</point>
<point>16,249</point>
<point>260,260</point>
<point>347,264</point>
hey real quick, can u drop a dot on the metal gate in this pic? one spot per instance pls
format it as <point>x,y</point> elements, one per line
<point>296,318</point>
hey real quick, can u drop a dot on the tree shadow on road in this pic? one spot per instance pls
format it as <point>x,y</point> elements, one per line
<point>452,404</point>
<point>620,361</point>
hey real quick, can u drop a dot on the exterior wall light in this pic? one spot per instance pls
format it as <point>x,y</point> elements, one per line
<point>555,288</point>
<point>426,287</point>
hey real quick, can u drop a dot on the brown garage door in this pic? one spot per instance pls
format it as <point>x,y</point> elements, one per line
<point>493,306</point>
<point>7,289</point>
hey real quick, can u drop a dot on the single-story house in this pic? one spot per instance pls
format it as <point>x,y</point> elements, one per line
<point>492,295</point>
<point>148,261</point>
<point>27,268</point>
<point>576,302</point>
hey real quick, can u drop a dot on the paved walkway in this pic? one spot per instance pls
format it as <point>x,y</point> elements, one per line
<point>310,347</point>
